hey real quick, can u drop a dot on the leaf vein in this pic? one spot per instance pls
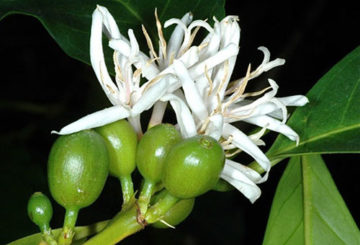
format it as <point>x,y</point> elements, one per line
<point>131,10</point>
<point>349,100</point>
<point>287,199</point>
<point>293,233</point>
<point>321,136</point>
<point>164,9</point>
<point>319,214</point>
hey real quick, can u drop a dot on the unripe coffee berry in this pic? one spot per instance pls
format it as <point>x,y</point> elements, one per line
<point>193,166</point>
<point>121,141</point>
<point>77,169</point>
<point>177,214</point>
<point>40,210</point>
<point>153,148</point>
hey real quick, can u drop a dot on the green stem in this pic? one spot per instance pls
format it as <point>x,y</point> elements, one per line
<point>122,226</point>
<point>45,228</point>
<point>259,169</point>
<point>80,233</point>
<point>157,211</point>
<point>145,195</point>
<point>71,215</point>
<point>127,188</point>
<point>256,167</point>
<point>68,233</point>
<point>49,238</point>
<point>128,222</point>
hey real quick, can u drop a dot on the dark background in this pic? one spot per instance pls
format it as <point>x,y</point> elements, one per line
<point>43,89</point>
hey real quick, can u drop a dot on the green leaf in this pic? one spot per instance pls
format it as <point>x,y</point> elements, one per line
<point>81,232</point>
<point>308,209</point>
<point>330,123</point>
<point>68,22</point>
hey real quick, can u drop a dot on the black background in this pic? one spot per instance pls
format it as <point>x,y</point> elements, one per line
<point>43,89</point>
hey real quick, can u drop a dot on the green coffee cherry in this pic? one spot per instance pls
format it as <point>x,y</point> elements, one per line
<point>193,166</point>
<point>121,141</point>
<point>40,211</point>
<point>77,169</point>
<point>153,148</point>
<point>177,214</point>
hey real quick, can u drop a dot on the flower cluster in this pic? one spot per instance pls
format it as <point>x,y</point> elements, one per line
<point>195,80</point>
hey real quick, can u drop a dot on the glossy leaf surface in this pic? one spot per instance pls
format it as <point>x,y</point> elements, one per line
<point>308,209</point>
<point>330,123</point>
<point>68,22</point>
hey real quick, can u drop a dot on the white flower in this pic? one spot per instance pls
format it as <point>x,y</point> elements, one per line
<point>129,99</point>
<point>215,103</point>
<point>179,48</point>
<point>195,79</point>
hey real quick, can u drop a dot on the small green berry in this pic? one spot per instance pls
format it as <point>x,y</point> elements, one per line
<point>153,148</point>
<point>40,211</point>
<point>77,169</point>
<point>121,141</point>
<point>193,166</point>
<point>177,214</point>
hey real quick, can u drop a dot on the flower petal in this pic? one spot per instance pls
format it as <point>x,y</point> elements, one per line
<point>118,44</point>
<point>243,142</point>
<point>294,100</point>
<point>240,181</point>
<point>97,55</point>
<point>192,95</point>
<point>274,125</point>
<point>256,137</point>
<point>148,69</point>
<point>230,30</point>
<point>197,70</point>
<point>183,115</point>
<point>259,110</point>
<point>150,96</point>
<point>266,64</point>
<point>282,108</point>
<point>136,123</point>
<point>129,49</point>
<point>249,172</point>
<point>241,109</point>
<point>96,119</point>
<point>230,34</point>
<point>190,57</point>
<point>215,126</point>
<point>157,113</point>
<point>203,82</point>
<point>109,22</point>
<point>177,35</point>
<point>267,97</point>
<point>224,54</point>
